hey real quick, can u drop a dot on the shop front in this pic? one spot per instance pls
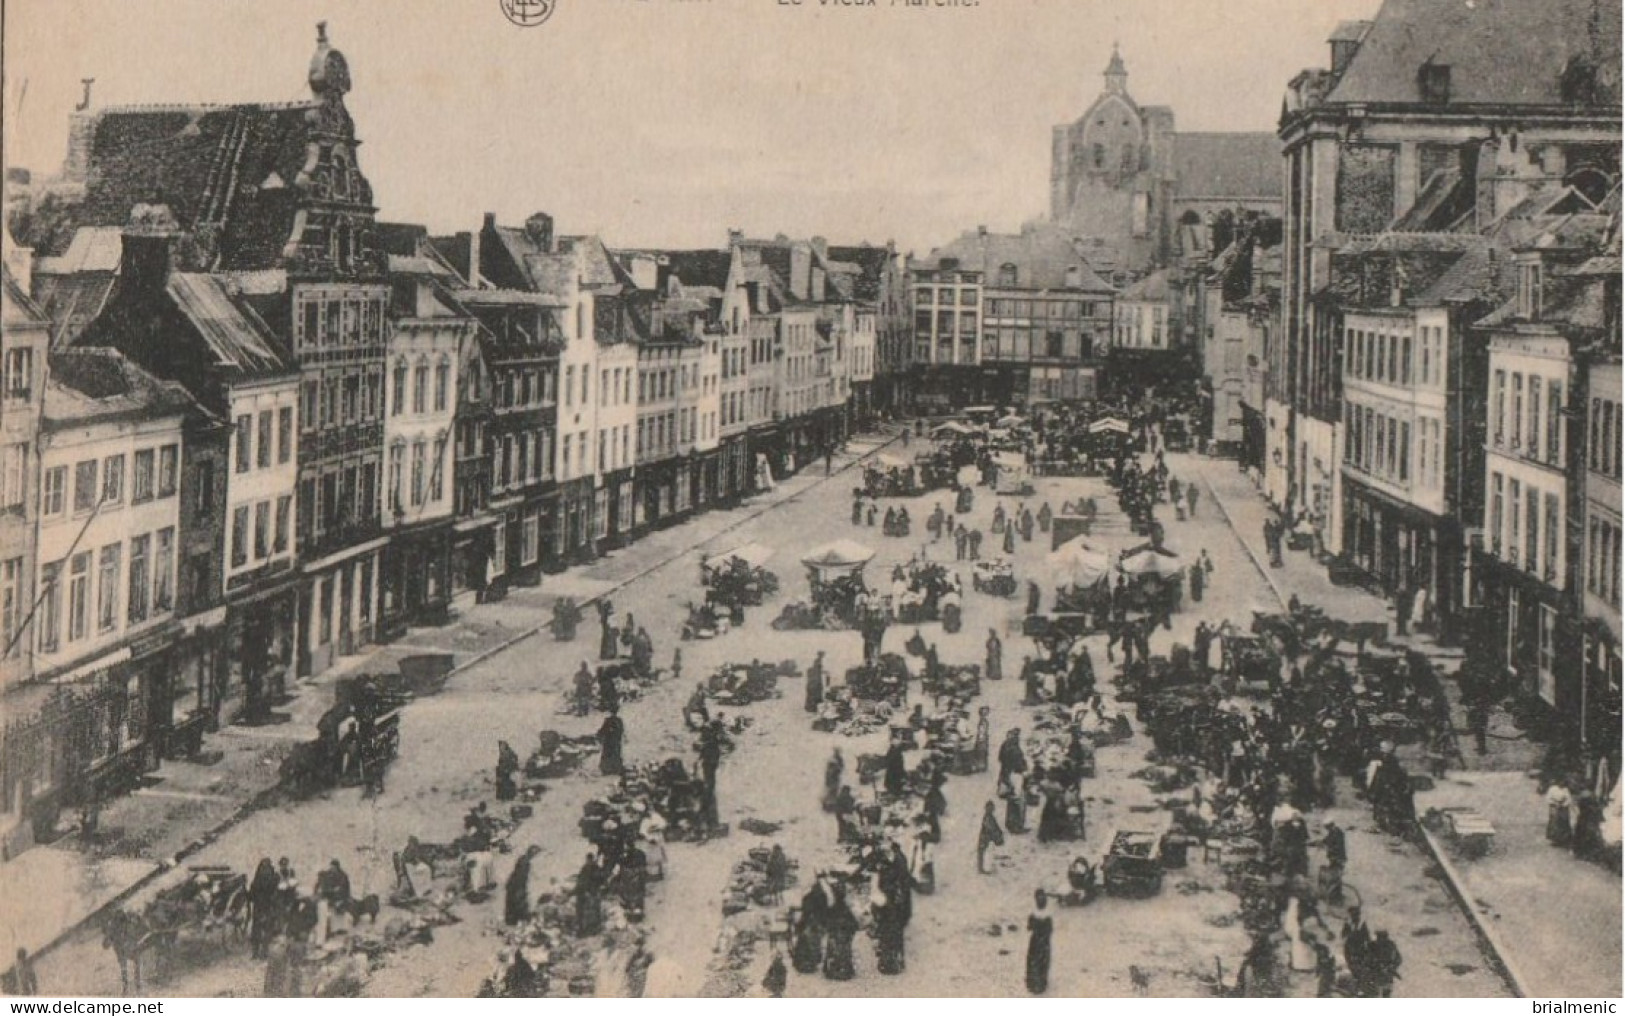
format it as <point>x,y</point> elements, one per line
<point>417,578</point>
<point>471,543</point>
<point>1399,546</point>
<point>576,527</point>
<point>257,651</point>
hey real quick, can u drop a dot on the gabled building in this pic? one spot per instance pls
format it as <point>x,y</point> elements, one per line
<point>105,624</point>
<point>798,314</point>
<point>1472,106</point>
<point>1241,303</point>
<point>429,335</point>
<point>239,582</point>
<point>1009,319</point>
<point>272,194</point>
<point>23,358</point>
<point>1412,381</point>
<point>1530,569</point>
<point>514,514</point>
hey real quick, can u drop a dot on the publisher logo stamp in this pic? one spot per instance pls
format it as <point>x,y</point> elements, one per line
<point>528,13</point>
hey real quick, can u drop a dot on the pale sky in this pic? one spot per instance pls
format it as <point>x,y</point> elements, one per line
<point>666,122</point>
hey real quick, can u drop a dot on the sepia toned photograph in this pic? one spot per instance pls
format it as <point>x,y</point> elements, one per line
<point>1111,499</point>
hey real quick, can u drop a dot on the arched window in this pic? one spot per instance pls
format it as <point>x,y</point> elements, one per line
<point>398,406</point>
<point>442,382</point>
<point>420,385</point>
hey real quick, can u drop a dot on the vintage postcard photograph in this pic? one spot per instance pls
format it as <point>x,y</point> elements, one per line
<point>810,498</point>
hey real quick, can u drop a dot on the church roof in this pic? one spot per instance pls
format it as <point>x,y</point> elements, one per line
<point>1227,165</point>
<point>1498,51</point>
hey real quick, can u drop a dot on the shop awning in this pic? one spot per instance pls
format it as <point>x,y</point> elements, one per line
<point>840,554</point>
<point>755,555</point>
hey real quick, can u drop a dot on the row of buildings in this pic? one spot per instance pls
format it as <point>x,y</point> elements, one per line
<point>1400,311</point>
<point>250,428</point>
<point>1418,351</point>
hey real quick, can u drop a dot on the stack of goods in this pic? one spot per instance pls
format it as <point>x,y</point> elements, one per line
<point>741,684</point>
<point>956,680</point>
<point>611,963</point>
<point>885,680</point>
<point>663,795</point>
<point>759,880</point>
<point>557,755</point>
<point>843,714</point>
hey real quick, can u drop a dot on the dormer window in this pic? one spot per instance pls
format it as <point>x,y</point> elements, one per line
<point>1433,82</point>
<point>1007,275</point>
<point>1529,295</point>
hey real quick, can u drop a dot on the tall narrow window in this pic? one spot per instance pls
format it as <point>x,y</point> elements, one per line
<point>163,571</point>
<point>168,469</point>
<point>264,447</point>
<point>85,491</point>
<point>245,442</point>
<point>284,435</point>
<point>140,580</point>
<point>442,384</point>
<point>79,597</point>
<point>107,588</point>
<point>239,536</point>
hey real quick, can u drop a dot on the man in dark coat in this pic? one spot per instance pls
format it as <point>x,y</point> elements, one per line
<point>989,835</point>
<point>589,898</point>
<point>815,685</point>
<point>711,742</point>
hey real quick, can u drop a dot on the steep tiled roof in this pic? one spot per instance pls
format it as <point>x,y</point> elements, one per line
<point>20,303</point>
<point>873,263</point>
<point>241,343</point>
<point>101,386</point>
<point>1151,289</point>
<point>1227,165</point>
<point>228,167</point>
<point>92,249</point>
<point>1498,51</point>
<point>699,268</point>
<point>1483,272</point>
<point>1041,256</point>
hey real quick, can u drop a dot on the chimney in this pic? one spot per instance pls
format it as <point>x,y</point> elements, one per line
<point>735,238</point>
<point>981,231</point>
<point>539,228</point>
<point>821,245</point>
<point>146,262</point>
<point>475,276</point>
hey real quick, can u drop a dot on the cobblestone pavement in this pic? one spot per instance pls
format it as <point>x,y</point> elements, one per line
<point>968,938</point>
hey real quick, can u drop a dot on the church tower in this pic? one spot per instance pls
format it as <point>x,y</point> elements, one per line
<point>1116,74</point>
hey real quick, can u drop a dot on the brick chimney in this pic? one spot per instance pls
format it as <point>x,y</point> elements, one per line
<point>539,228</point>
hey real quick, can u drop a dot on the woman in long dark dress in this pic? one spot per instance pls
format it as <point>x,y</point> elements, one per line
<point>841,927</point>
<point>889,930</point>
<point>807,952</point>
<point>516,892</point>
<point>589,898</point>
<point>1040,929</point>
<point>262,903</point>
<point>611,736</point>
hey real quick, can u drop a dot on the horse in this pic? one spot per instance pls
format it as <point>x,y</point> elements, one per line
<point>224,905</point>
<point>131,937</point>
